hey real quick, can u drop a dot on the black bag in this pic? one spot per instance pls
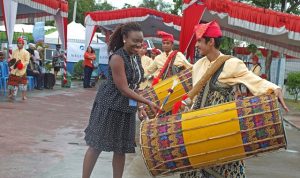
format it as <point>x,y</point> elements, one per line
<point>49,80</point>
<point>57,62</point>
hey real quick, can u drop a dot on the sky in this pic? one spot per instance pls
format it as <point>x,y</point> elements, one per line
<point>120,3</point>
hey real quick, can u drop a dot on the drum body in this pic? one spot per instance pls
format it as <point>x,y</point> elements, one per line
<point>158,93</point>
<point>212,136</point>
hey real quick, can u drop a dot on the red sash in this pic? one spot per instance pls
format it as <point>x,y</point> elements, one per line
<point>165,67</point>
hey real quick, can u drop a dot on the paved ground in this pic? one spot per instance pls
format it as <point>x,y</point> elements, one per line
<point>43,138</point>
<point>293,118</point>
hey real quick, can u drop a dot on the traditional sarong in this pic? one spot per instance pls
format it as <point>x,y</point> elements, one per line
<point>14,80</point>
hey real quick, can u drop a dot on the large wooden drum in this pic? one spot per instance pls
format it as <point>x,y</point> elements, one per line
<point>212,136</point>
<point>158,93</point>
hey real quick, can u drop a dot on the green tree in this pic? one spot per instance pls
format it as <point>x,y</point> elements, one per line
<point>157,5</point>
<point>84,6</point>
<point>288,6</point>
<point>291,6</point>
<point>227,45</point>
<point>177,9</point>
<point>104,6</point>
<point>127,6</point>
<point>293,84</point>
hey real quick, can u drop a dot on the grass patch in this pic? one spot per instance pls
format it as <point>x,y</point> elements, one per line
<point>29,36</point>
<point>294,106</point>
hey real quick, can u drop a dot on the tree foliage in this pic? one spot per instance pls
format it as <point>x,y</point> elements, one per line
<point>84,6</point>
<point>291,6</point>
<point>78,69</point>
<point>293,84</point>
<point>227,45</point>
<point>157,5</point>
<point>128,6</point>
<point>177,9</point>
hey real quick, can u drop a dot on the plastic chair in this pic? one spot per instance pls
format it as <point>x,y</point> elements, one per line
<point>4,72</point>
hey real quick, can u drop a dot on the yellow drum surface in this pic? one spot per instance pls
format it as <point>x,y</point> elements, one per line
<point>159,92</point>
<point>207,135</point>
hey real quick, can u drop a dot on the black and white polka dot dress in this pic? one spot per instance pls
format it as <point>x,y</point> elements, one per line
<point>112,121</point>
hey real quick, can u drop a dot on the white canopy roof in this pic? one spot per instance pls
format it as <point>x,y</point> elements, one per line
<point>76,33</point>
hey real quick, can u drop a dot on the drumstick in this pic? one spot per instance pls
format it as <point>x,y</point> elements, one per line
<point>170,91</point>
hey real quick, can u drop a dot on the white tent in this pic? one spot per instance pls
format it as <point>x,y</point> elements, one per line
<point>76,40</point>
<point>76,34</point>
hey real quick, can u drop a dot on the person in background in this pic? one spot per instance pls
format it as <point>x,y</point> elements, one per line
<point>112,121</point>
<point>146,61</point>
<point>89,58</point>
<point>256,68</point>
<point>40,50</point>
<point>57,59</point>
<point>17,78</point>
<point>174,61</point>
<point>155,52</point>
<point>34,70</point>
<point>35,54</point>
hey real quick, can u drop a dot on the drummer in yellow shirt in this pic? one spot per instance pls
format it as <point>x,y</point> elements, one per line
<point>220,87</point>
<point>175,57</point>
<point>146,62</point>
<point>256,68</point>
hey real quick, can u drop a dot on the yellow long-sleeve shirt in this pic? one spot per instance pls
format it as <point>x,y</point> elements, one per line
<point>234,72</point>
<point>146,62</point>
<point>161,59</point>
<point>24,56</point>
<point>256,69</point>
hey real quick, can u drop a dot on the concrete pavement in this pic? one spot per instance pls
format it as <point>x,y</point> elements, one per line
<point>43,138</point>
<point>293,119</point>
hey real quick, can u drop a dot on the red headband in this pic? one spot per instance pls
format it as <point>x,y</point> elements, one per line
<point>255,58</point>
<point>211,29</point>
<point>165,36</point>
<point>20,40</point>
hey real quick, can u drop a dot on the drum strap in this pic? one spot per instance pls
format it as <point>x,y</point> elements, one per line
<point>205,92</point>
<point>167,64</point>
<point>208,74</point>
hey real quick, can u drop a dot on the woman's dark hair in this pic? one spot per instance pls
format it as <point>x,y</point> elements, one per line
<point>92,50</point>
<point>218,41</point>
<point>116,39</point>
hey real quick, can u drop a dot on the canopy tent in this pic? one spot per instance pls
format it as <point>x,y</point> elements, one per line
<point>76,34</point>
<point>274,30</point>
<point>76,41</point>
<point>30,11</point>
<point>150,20</point>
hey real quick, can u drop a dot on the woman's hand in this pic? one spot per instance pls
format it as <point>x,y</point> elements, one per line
<point>278,93</point>
<point>153,107</point>
<point>142,114</point>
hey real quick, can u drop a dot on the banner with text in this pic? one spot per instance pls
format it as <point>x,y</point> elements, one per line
<point>76,52</point>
